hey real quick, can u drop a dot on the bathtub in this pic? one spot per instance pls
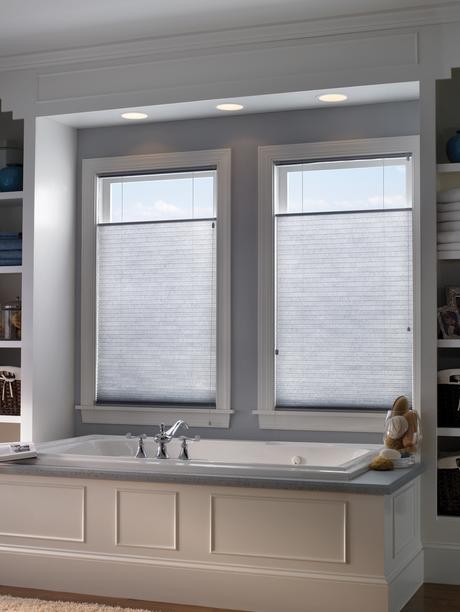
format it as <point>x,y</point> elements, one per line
<point>305,460</point>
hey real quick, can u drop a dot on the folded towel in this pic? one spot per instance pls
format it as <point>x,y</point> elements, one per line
<point>445,216</point>
<point>449,195</point>
<point>10,253</point>
<point>10,245</point>
<point>448,254</point>
<point>451,207</point>
<point>449,226</point>
<point>449,246</point>
<point>10,235</point>
<point>10,261</point>
<point>449,236</point>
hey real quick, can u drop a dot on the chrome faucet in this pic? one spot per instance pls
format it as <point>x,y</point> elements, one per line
<point>140,453</point>
<point>164,437</point>
<point>184,454</point>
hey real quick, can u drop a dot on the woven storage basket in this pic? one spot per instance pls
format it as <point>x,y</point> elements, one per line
<point>10,391</point>
<point>449,486</point>
<point>449,398</point>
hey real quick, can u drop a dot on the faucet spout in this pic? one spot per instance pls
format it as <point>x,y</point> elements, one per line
<point>172,430</point>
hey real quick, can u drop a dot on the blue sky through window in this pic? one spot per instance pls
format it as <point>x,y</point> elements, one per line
<point>163,197</point>
<point>346,185</point>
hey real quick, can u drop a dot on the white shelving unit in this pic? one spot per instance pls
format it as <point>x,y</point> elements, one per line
<point>11,211</point>
<point>447,438</point>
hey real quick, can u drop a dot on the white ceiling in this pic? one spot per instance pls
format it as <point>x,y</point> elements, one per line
<point>29,26</point>
<point>368,94</point>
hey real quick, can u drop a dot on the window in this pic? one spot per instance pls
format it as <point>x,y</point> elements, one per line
<point>159,267</point>
<point>340,280</point>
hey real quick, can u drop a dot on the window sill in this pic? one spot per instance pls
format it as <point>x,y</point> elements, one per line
<point>356,422</point>
<point>147,415</point>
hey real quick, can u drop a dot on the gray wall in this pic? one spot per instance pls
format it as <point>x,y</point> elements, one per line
<point>243,134</point>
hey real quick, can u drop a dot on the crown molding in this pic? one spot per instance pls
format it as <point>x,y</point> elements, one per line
<point>235,39</point>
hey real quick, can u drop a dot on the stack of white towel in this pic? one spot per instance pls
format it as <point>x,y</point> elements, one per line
<point>449,224</point>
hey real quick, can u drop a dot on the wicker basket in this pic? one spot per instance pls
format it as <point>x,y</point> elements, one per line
<point>449,486</point>
<point>10,391</point>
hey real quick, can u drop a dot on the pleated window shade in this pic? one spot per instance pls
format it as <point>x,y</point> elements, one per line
<point>156,291</point>
<point>343,284</point>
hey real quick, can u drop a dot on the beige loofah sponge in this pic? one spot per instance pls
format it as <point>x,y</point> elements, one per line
<point>381,464</point>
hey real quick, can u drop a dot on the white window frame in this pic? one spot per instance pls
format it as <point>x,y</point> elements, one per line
<point>92,170</point>
<point>321,420</point>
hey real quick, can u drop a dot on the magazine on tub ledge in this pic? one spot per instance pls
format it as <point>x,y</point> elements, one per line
<point>13,451</point>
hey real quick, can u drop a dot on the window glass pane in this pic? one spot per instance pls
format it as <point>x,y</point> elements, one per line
<point>156,290</point>
<point>344,294</point>
<point>180,195</point>
<point>294,191</point>
<point>329,186</point>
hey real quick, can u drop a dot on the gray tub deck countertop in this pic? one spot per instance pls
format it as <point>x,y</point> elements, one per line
<point>370,483</point>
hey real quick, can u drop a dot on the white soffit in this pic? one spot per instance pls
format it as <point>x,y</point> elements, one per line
<point>297,100</point>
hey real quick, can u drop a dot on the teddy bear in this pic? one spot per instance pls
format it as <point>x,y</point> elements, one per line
<point>402,427</point>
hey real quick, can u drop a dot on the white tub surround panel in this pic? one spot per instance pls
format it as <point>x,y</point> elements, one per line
<point>244,549</point>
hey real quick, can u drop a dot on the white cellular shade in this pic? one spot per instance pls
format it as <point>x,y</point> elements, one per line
<point>343,309</point>
<point>156,312</point>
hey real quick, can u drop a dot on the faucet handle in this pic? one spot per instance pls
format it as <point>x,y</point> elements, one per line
<point>184,454</point>
<point>129,436</point>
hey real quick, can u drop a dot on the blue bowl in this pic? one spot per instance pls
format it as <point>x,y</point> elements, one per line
<point>11,178</point>
<point>453,148</point>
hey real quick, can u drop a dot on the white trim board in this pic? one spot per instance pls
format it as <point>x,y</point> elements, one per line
<point>442,561</point>
<point>220,159</point>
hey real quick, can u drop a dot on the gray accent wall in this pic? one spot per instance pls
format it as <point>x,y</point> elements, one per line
<point>244,134</point>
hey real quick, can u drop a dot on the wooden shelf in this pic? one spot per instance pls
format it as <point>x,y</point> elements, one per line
<point>449,431</point>
<point>7,418</point>
<point>10,196</point>
<point>10,344</point>
<point>10,269</point>
<point>447,343</point>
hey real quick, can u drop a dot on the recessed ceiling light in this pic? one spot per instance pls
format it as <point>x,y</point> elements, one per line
<point>332,97</point>
<point>134,116</point>
<point>230,106</point>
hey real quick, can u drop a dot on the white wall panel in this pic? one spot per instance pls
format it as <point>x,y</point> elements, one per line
<point>308,530</point>
<point>42,511</point>
<point>146,519</point>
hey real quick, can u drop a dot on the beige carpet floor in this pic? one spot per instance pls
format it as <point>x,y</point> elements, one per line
<point>16,604</point>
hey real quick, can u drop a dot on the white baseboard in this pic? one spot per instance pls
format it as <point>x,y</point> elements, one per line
<point>406,583</point>
<point>442,563</point>
<point>189,583</point>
